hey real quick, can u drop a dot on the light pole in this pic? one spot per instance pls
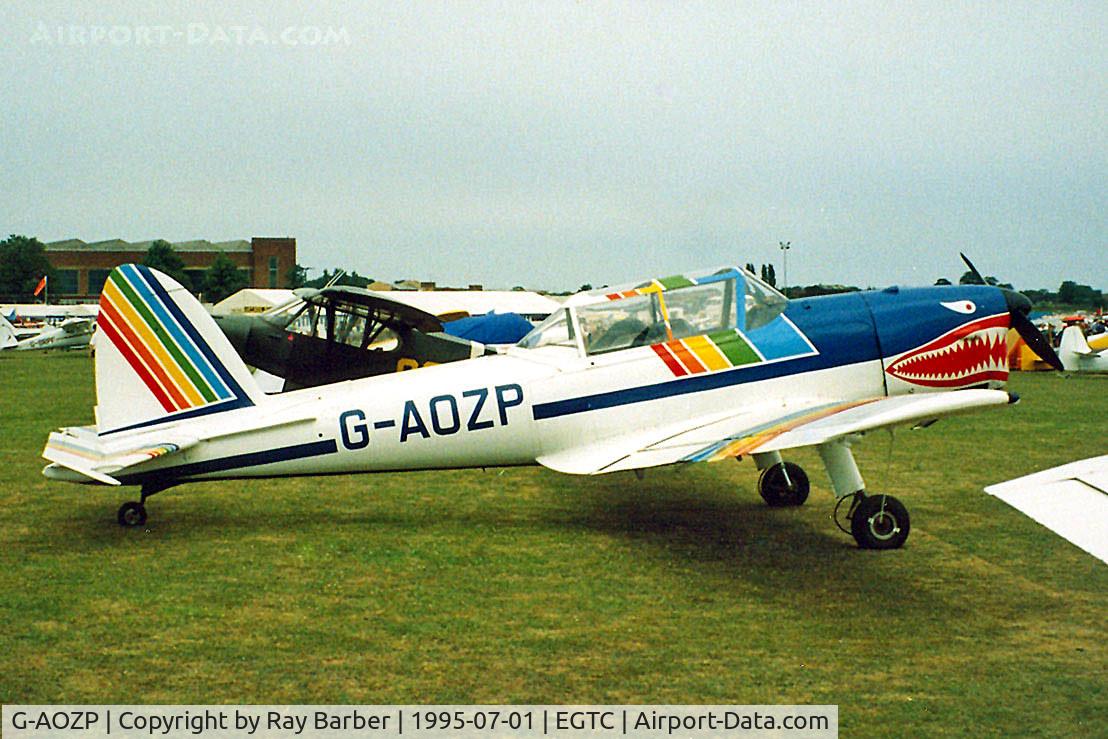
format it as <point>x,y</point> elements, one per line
<point>785,246</point>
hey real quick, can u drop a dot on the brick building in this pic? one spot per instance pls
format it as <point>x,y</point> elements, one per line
<point>82,268</point>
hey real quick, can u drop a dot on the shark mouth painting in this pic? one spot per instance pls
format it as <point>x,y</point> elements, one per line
<point>971,354</point>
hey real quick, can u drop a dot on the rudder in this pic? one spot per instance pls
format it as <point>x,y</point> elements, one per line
<point>7,334</point>
<point>161,357</point>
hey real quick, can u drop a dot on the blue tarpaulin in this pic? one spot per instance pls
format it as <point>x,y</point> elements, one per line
<point>491,328</point>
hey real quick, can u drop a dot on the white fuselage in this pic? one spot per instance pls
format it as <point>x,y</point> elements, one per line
<point>474,413</point>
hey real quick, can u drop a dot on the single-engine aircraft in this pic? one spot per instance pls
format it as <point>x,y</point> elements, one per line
<point>72,333</point>
<point>697,367</point>
<point>342,333</point>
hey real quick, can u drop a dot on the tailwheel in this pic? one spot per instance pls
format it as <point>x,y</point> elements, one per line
<point>879,522</point>
<point>784,484</point>
<point>131,514</point>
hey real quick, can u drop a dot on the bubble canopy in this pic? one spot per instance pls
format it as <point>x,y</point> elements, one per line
<point>658,310</point>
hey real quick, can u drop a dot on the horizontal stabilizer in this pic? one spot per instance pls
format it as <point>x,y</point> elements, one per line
<point>82,451</point>
<point>1071,501</point>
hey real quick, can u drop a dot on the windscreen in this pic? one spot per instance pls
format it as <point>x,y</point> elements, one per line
<point>556,330</point>
<point>763,304</point>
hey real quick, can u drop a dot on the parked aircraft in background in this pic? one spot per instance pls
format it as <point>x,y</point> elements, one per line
<point>8,337</point>
<point>490,328</point>
<point>341,333</point>
<point>698,367</point>
<point>1077,356</point>
<point>72,333</point>
<point>48,313</point>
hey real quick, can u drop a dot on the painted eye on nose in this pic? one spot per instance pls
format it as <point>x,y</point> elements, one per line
<point>960,306</point>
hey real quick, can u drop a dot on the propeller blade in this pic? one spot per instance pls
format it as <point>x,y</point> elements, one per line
<point>1035,339</point>
<point>978,275</point>
<point>1018,308</point>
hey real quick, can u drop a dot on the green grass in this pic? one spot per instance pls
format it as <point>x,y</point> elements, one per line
<point>530,587</point>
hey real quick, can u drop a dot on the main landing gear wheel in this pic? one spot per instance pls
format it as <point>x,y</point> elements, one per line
<point>131,514</point>
<point>784,484</point>
<point>879,522</point>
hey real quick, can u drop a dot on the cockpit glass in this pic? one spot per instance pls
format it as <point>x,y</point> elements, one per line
<point>341,322</point>
<point>300,319</point>
<point>654,317</point>
<point>707,303</point>
<point>622,324</point>
<point>701,309</point>
<point>763,304</point>
<point>556,330</point>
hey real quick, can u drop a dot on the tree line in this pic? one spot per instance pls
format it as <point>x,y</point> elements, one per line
<point>23,263</point>
<point>1069,295</point>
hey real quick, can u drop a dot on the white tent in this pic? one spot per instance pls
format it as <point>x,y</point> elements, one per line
<point>252,300</point>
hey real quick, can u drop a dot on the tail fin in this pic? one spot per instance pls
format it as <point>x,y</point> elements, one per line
<point>1073,340</point>
<point>7,334</point>
<point>161,357</point>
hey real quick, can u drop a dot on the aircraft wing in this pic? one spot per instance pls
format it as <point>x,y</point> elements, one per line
<point>766,429</point>
<point>76,326</point>
<point>80,450</point>
<point>390,311</point>
<point>1071,501</point>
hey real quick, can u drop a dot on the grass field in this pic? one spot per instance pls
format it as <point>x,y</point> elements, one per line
<point>530,587</point>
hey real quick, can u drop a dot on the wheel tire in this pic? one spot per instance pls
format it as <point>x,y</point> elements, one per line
<point>880,522</point>
<point>131,514</point>
<point>784,484</point>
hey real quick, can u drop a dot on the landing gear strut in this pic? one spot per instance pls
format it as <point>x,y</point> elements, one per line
<point>875,521</point>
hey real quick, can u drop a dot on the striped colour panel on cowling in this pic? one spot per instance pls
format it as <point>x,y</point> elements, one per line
<point>160,344</point>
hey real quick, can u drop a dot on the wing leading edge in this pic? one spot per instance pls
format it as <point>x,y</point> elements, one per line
<point>1070,500</point>
<point>797,424</point>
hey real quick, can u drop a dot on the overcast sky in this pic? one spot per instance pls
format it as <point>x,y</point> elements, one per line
<point>554,144</point>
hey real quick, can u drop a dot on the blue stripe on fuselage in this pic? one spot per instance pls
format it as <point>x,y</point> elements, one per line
<point>235,462</point>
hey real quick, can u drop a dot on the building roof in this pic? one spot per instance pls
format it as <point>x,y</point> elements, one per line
<point>477,302</point>
<point>196,245</point>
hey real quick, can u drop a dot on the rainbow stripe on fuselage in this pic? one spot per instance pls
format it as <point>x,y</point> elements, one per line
<point>173,361</point>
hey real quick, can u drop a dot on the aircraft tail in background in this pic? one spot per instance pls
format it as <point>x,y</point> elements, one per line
<point>1078,356</point>
<point>7,334</point>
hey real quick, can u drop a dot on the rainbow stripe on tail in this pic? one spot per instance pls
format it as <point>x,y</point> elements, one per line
<point>164,358</point>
